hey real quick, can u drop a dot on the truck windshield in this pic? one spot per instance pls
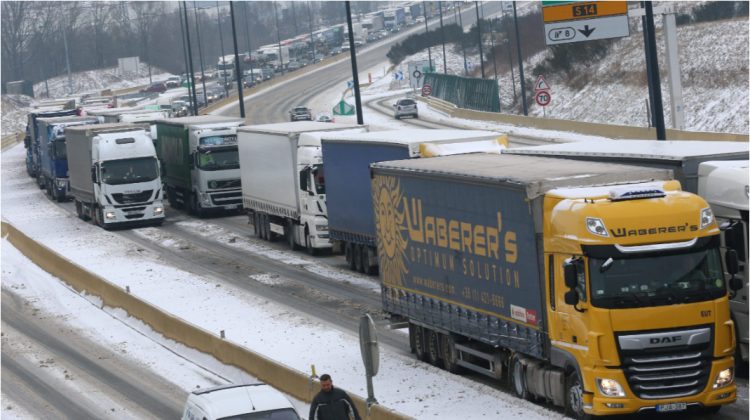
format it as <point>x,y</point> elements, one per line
<point>658,280</point>
<point>319,179</point>
<point>129,171</point>
<point>215,160</point>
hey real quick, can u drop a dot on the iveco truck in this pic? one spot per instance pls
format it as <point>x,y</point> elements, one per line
<point>597,287</point>
<point>201,164</point>
<point>725,190</point>
<point>114,175</point>
<point>283,181</point>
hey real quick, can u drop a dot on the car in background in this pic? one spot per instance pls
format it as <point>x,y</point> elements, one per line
<point>405,107</point>
<point>300,113</point>
<point>157,87</point>
<point>173,82</point>
<point>337,50</point>
<point>324,118</point>
<point>180,108</point>
<point>249,401</point>
<point>293,65</point>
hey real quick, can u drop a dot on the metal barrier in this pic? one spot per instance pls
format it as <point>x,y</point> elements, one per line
<point>465,92</point>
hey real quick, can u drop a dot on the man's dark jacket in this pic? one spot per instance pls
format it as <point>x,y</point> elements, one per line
<point>333,405</point>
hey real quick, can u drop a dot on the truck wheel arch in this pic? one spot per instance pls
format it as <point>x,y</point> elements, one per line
<point>565,360</point>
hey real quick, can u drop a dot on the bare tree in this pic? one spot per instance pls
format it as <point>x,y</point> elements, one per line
<point>145,16</point>
<point>18,29</point>
<point>100,17</point>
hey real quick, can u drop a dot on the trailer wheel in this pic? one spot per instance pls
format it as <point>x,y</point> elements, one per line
<point>367,266</point>
<point>266,226</point>
<point>517,378</point>
<point>449,353</point>
<point>349,255</point>
<point>357,257</point>
<point>433,347</point>
<point>79,211</point>
<point>574,397</point>
<point>419,344</point>
<point>256,225</point>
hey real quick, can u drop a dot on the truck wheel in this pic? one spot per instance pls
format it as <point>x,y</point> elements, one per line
<point>419,344</point>
<point>517,378</point>
<point>309,244</point>
<point>290,234</point>
<point>256,225</point>
<point>367,266</point>
<point>349,255</point>
<point>40,181</point>
<point>60,196</point>
<point>433,347</point>
<point>195,206</point>
<point>357,257</point>
<point>171,198</point>
<point>79,210</point>
<point>574,397</point>
<point>449,353</point>
<point>264,227</point>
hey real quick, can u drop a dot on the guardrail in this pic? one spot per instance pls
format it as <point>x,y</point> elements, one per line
<point>11,140</point>
<point>284,378</point>
<point>594,129</point>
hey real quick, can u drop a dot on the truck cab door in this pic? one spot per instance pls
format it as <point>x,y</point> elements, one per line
<point>569,324</point>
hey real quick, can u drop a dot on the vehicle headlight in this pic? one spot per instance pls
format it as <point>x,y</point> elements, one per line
<point>321,228</point>
<point>707,217</point>
<point>213,184</point>
<point>724,378</point>
<point>158,210</point>
<point>109,215</point>
<point>610,387</point>
<point>596,226</point>
<point>61,183</point>
<point>205,198</point>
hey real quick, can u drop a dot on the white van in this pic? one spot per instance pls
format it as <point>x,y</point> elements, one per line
<point>248,401</point>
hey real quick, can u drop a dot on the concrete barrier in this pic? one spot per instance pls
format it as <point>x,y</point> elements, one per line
<point>284,378</point>
<point>594,129</point>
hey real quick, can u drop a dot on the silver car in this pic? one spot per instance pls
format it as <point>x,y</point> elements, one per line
<point>405,108</point>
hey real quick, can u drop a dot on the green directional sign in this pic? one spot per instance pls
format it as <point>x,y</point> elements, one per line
<point>343,108</point>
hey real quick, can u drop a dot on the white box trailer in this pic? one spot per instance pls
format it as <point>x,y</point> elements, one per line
<point>283,183</point>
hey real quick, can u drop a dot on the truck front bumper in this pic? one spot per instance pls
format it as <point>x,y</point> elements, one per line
<point>134,214</point>
<point>224,199</point>
<point>598,404</point>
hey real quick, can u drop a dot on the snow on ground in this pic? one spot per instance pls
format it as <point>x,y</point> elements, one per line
<point>112,328</point>
<point>279,332</point>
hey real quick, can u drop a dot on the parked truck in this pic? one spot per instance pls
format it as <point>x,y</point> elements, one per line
<point>283,182</point>
<point>53,159</point>
<point>31,140</point>
<point>688,161</point>
<point>114,175</point>
<point>348,157</point>
<point>201,163</point>
<point>597,287</point>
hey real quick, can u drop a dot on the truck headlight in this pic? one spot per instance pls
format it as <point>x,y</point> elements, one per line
<point>109,215</point>
<point>707,217</point>
<point>213,184</point>
<point>61,183</point>
<point>321,228</point>
<point>596,226</point>
<point>205,198</point>
<point>724,378</point>
<point>158,210</point>
<point>610,387</point>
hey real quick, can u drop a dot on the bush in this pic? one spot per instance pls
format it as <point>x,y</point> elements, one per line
<point>718,10</point>
<point>564,57</point>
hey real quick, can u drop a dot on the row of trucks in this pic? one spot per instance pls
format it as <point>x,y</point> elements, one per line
<point>603,285</point>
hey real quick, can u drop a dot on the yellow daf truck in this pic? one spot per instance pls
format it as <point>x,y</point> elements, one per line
<point>597,287</point>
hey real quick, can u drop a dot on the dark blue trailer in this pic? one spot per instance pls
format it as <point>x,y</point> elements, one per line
<point>53,158</point>
<point>30,142</point>
<point>347,160</point>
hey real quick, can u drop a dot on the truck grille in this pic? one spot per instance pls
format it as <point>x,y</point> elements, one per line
<point>134,212</point>
<point>669,364</point>
<point>140,197</point>
<point>227,183</point>
<point>227,198</point>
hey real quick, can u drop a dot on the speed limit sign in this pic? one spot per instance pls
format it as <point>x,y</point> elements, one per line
<point>543,98</point>
<point>426,90</point>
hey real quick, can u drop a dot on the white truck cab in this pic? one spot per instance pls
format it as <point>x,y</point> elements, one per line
<point>724,185</point>
<point>251,401</point>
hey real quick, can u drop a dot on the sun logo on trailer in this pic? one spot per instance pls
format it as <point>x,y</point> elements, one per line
<point>389,224</point>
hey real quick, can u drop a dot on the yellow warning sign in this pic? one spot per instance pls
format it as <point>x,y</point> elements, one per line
<point>583,10</point>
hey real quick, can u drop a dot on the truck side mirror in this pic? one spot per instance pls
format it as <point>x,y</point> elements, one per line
<point>571,298</point>
<point>26,142</point>
<point>303,177</point>
<point>571,275</point>
<point>93,175</point>
<point>734,238</point>
<point>162,169</point>
<point>732,262</point>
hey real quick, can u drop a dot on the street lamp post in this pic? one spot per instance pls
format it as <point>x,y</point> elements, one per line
<point>442,37</point>
<point>200,54</point>
<point>479,32</point>
<point>426,31</point>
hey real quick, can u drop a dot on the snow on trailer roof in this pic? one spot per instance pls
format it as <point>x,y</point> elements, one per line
<point>536,175</point>
<point>200,119</point>
<point>412,139</point>
<point>639,149</point>
<point>107,128</point>
<point>295,127</point>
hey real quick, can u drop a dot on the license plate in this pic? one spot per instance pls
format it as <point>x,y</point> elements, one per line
<point>233,207</point>
<point>663,408</point>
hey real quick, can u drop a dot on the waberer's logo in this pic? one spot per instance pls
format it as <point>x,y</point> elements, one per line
<point>389,223</point>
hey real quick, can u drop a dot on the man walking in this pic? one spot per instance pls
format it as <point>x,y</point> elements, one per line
<point>332,403</point>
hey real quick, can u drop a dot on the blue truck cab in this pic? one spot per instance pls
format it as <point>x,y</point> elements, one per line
<point>53,159</point>
<point>31,141</point>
